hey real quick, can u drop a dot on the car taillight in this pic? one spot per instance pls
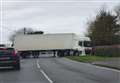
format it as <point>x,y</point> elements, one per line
<point>14,53</point>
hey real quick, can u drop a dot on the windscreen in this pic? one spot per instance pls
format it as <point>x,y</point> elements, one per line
<point>87,44</point>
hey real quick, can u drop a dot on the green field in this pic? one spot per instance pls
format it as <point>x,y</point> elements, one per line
<point>88,58</point>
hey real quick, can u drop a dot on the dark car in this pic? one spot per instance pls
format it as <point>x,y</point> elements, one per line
<point>8,57</point>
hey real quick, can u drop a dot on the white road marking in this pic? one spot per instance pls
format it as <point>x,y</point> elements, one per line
<point>38,64</point>
<point>46,76</point>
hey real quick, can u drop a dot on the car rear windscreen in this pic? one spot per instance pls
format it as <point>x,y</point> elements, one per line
<point>4,52</point>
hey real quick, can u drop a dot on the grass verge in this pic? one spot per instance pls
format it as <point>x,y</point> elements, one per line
<point>88,58</point>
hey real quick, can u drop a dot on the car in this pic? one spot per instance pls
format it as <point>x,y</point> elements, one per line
<point>8,57</point>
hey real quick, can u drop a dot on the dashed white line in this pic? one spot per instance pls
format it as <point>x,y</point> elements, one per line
<point>46,76</point>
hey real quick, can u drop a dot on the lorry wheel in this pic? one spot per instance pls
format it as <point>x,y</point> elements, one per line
<point>36,56</point>
<point>24,57</point>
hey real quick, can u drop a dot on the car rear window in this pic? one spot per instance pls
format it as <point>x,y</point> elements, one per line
<point>6,51</point>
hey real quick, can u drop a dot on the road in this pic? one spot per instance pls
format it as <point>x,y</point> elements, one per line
<point>58,70</point>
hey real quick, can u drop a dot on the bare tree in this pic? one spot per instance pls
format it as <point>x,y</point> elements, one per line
<point>117,11</point>
<point>19,32</point>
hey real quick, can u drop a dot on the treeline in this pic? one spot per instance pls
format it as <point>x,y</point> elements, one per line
<point>104,32</point>
<point>105,28</point>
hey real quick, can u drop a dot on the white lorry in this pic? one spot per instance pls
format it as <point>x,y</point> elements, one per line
<point>61,44</point>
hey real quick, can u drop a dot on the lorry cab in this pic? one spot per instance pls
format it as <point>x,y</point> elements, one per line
<point>86,46</point>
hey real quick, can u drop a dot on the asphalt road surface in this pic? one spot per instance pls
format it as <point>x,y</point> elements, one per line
<point>58,70</point>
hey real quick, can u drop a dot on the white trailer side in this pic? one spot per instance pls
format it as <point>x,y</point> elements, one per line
<point>47,42</point>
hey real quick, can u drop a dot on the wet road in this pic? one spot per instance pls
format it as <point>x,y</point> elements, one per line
<point>58,70</point>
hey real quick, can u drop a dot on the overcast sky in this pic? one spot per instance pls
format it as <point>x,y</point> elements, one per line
<point>50,16</point>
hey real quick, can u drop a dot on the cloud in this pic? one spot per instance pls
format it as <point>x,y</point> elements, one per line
<point>51,17</point>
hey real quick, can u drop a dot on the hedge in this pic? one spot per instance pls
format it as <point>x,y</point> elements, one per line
<point>111,50</point>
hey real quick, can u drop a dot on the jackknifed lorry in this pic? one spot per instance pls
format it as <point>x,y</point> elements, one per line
<point>59,44</point>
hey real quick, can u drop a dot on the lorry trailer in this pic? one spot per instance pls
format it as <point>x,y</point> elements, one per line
<point>60,44</point>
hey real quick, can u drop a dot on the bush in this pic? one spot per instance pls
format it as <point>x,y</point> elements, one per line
<point>112,50</point>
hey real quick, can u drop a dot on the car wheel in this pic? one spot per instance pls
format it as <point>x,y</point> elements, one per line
<point>17,66</point>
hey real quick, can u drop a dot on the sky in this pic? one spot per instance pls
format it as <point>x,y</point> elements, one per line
<point>50,16</point>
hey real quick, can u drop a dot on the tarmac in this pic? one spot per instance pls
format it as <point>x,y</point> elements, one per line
<point>112,63</point>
